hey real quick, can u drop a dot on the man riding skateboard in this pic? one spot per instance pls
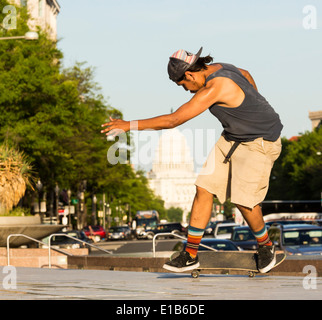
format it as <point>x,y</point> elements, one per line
<point>239,165</point>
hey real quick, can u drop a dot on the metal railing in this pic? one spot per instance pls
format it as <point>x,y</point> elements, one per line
<point>49,245</point>
<point>68,236</point>
<point>30,238</point>
<point>174,235</point>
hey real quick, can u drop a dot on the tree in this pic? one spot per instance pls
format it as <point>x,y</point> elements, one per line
<point>54,116</point>
<point>297,173</point>
<point>174,214</point>
<point>303,162</point>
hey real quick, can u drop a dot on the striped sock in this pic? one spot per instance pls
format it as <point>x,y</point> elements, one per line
<point>194,237</point>
<point>262,237</point>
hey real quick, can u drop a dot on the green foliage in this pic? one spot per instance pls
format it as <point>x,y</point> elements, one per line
<point>54,116</point>
<point>297,173</point>
<point>19,212</point>
<point>174,214</point>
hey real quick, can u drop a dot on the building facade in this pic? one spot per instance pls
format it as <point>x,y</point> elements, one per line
<point>172,176</point>
<point>43,13</point>
<point>316,118</point>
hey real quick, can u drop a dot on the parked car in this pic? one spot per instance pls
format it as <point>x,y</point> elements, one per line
<point>218,244</point>
<point>244,238</point>
<point>298,239</point>
<point>61,241</point>
<point>224,230</point>
<point>119,233</point>
<point>96,233</point>
<point>210,228</point>
<point>285,222</point>
<point>318,222</point>
<point>170,227</point>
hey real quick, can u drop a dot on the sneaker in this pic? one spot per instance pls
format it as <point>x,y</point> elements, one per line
<point>184,262</point>
<point>266,258</point>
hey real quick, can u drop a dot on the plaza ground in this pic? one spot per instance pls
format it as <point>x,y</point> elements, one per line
<point>67,284</point>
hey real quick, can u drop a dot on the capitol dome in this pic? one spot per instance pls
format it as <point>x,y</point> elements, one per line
<point>172,176</point>
<point>172,154</point>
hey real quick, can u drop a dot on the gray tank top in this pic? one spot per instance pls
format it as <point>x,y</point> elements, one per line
<point>253,119</point>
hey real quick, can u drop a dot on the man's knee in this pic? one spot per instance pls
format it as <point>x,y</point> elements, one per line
<point>247,209</point>
<point>201,192</point>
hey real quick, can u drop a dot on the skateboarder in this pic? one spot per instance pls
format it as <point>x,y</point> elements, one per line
<point>239,165</point>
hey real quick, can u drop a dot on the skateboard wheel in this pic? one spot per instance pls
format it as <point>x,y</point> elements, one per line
<point>195,274</point>
<point>251,274</point>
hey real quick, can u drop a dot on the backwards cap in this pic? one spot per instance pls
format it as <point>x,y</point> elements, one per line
<point>180,62</point>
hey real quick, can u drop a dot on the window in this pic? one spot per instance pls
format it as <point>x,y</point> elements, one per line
<point>40,8</point>
<point>303,237</point>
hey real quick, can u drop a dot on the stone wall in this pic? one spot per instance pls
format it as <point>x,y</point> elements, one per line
<point>38,258</point>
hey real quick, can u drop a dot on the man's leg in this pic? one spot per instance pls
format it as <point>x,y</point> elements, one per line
<point>200,215</point>
<point>266,251</point>
<point>254,219</point>
<point>201,208</point>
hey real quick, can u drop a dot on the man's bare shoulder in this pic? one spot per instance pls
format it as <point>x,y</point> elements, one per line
<point>244,72</point>
<point>248,76</point>
<point>219,82</point>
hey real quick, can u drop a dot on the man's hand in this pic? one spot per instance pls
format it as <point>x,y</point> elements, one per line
<point>115,127</point>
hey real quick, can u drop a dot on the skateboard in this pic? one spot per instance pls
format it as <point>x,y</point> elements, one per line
<point>232,260</point>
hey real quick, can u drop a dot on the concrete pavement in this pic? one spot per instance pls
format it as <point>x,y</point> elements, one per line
<point>53,284</point>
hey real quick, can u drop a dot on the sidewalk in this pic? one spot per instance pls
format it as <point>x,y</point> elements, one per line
<point>36,284</point>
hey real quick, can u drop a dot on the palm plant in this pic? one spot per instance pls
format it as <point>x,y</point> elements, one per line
<point>15,175</point>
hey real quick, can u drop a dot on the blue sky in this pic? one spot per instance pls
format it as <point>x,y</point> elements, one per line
<point>129,44</point>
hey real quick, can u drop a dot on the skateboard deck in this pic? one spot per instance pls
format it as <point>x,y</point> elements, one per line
<point>232,260</point>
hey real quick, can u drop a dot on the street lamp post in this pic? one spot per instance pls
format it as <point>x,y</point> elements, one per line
<point>69,193</point>
<point>39,188</point>
<point>30,35</point>
<point>57,199</point>
<point>94,201</point>
<point>104,212</point>
<point>82,210</point>
<point>128,212</point>
<point>108,213</point>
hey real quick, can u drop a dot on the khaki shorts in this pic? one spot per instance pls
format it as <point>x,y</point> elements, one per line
<point>245,178</point>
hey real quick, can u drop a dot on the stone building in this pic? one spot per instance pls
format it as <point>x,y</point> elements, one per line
<point>316,118</point>
<point>43,13</point>
<point>172,176</point>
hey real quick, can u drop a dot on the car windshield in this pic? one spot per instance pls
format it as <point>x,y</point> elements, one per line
<point>151,223</point>
<point>116,229</point>
<point>242,235</point>
<point>61,239</point>
<point>73,234</point>
<point>302,237</point>
<point>96,228</point>
<point>225,229</point>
